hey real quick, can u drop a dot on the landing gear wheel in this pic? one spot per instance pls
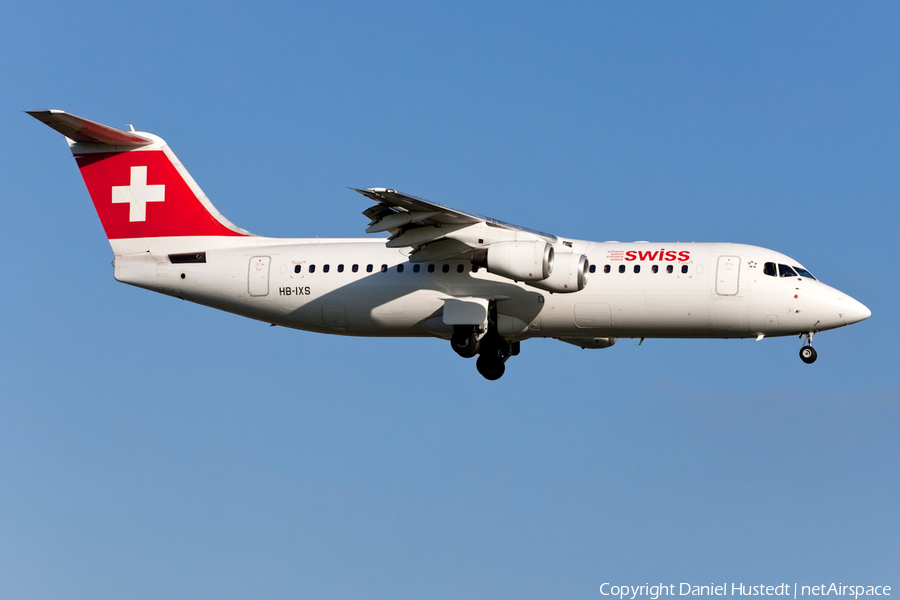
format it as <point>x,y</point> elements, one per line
<point>490,368</point>
<point>808,355</point>
<point>465,344</point>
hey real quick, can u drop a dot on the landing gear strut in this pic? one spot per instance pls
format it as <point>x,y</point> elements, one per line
<point>807,352</point>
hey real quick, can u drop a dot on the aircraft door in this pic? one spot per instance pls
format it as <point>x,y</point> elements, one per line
<point>258,276</point>
<point>728,274</point>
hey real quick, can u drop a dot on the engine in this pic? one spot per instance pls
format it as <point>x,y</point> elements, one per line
<point>521,261</point>
<point>570,273</point>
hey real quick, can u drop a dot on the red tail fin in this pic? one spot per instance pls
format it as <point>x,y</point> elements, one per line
<point>138,186</point>
<point>140,193</point>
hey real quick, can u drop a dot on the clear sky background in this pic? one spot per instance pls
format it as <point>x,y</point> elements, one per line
<point>152,448</point>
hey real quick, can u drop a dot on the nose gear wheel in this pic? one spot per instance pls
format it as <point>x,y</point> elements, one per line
<point>808,354</point>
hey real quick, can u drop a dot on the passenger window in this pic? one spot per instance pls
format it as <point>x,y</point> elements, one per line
<point>369,268</point>
<point>684,268</point>
<point>637,268</point>
<point>296,268</point>
<point>606,268</point>
<point>460,268</point>
<point>445,268</point>
<point>804,273</point>
<point>416,268</point>
<point>312,268</point>
<point>621,268</point>
<point>431,268</point>
<point>354,268</point>
<point>340,268</point>
<point>655,268</point>
<point>770,270</point>
<point>326,268</point>
<point>399,268</point>
<point>786,271</point>
<point>593,269</point>
<point>384,268</point>
<point>670,269</point>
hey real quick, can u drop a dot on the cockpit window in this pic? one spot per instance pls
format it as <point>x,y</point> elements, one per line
<point>770,269</point>
<point>804,273</point>
<point>786,271</point>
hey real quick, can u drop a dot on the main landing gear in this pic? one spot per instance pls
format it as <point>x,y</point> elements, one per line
<point>465,341</point>
<point>807,352</point>
<point>493,356</point>
<point>493,351</point>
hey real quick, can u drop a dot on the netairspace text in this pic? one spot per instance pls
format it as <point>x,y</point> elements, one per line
<point>631,592</point>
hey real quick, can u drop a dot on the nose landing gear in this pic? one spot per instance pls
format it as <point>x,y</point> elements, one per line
<point>807,352</point>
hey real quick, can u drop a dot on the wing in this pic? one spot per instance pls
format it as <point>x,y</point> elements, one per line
<point>437,232</point>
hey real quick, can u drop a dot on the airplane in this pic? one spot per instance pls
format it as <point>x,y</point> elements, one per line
<point>483,284</point>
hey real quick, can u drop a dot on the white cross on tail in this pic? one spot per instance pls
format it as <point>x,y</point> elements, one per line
<point>137,194</point>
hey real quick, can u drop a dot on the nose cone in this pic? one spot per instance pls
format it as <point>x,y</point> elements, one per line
<point>855,311</point>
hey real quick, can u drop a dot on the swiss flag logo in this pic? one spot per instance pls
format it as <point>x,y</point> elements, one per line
<point>137,194</point>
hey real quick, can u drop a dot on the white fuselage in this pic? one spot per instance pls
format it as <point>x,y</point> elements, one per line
<point>357,289</point>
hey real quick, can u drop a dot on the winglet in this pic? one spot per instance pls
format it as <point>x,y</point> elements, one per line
<point>86,131</point>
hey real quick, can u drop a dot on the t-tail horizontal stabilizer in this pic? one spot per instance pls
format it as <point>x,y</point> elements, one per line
<point>86,131</point>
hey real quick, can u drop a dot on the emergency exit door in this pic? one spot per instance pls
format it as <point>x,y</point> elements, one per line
<point>258,276</point>
<point>728,274</point>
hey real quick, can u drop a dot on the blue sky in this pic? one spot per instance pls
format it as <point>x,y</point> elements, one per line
<point>154,448</point>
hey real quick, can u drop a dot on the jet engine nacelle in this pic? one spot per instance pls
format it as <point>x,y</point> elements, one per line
<point>570,272</point>
<point>521,261</point>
